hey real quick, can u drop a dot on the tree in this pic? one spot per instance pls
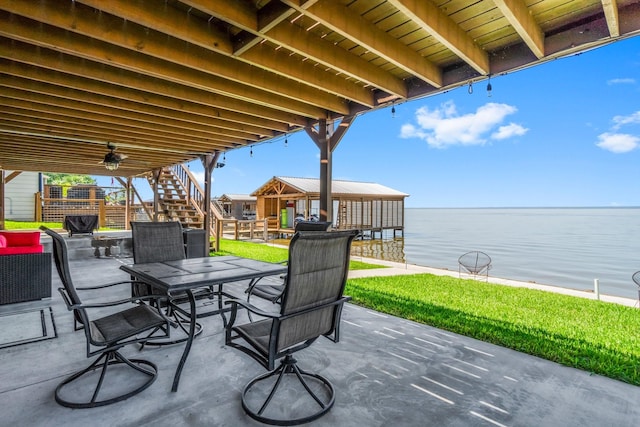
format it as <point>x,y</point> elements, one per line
<point>68,179</point>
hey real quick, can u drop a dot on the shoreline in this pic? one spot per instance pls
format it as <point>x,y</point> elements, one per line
<point>398,269</point>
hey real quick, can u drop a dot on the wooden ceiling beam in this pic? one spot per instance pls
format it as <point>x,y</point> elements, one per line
<point>296,72</point>
<point>327,56</point>
<point>42,154</point>
<point>272,14</point>
<point>610,8</point>
<point>156,131</point>
<point>282,33</point>
<point>203,54</point>
<point>279,61</point>
<point>447,32</point>
<point>333,15</point>
<point>88,156</point>
<point>81,46</point>
<point>516,12</point>
<point>317,75</point>
<point>128,85</point>
<point>104,134</point>
<point>74,100</point>
<point>65,165</point>
<point>59,145</point>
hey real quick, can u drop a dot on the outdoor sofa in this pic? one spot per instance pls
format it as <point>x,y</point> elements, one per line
<point>25,270</point>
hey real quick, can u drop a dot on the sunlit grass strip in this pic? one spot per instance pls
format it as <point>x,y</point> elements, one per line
<point>268,253</point>
<point>25,225</point>
<point>590,335</point>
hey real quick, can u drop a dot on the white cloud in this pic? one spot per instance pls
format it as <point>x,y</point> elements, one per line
<point>618,142</point>
<point>632,119</point>
<point>621,81</point>
<point>512,129</point>
<point>443,126</point>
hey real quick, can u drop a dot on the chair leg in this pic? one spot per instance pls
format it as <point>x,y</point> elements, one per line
<point>288,366</point>
<point>103,362</point>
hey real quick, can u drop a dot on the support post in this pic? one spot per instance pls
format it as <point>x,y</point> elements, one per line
<point>156,196</point>
<point>127,203</point>
<point>208,162</point>
<point>324,141</point>
<point>327,142</point>
<point>2,199</point>
<point>102,214</point>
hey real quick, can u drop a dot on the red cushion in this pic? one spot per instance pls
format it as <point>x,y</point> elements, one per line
<point>3,241</point>
<point>21,238</point>
<point>16,250</point>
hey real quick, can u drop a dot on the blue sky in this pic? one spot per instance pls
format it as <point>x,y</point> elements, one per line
<point>564,133</point>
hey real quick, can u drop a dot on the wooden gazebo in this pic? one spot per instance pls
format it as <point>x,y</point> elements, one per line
<point>366,206</point>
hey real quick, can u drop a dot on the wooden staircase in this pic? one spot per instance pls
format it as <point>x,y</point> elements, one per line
<point>182,199</point>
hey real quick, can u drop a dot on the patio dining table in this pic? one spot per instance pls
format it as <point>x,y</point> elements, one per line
<point>183,276</point>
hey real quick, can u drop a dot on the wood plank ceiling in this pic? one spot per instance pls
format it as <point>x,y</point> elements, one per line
<point>166,81</point>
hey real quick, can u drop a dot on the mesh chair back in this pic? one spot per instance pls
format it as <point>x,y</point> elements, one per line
<point>61,260</point>
<point>317,273</point>
<point>636,278</point>
<point>312,226</point>
<point>475,262</point>
<point>157,241</point>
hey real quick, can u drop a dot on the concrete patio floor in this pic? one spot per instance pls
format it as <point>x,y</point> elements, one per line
<point>386,371</point>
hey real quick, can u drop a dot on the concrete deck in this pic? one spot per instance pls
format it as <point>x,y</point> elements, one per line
<point>386,371</point>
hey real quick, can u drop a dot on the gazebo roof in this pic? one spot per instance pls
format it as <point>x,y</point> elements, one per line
<point>228,197</point>
<point>166,82</point>
<point>311,187</point>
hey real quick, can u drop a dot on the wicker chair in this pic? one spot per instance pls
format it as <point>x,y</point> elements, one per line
<point>475,263</point>
<point>25,277</point>
<point>273,291</point>
<point>106,335</point>
<point>311,307</point>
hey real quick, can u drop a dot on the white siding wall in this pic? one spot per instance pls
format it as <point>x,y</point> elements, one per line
<point>20,196</point>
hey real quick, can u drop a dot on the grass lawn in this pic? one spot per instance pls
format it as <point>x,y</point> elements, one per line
<point>269,253</point>
<point>25,225</point>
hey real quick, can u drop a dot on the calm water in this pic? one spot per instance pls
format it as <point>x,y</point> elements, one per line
<point>568,247</point>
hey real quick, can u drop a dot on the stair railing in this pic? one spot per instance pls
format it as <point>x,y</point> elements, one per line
<point>195,195</point>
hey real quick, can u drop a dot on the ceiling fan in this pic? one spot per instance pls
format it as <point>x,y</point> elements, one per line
<point>112,159</point>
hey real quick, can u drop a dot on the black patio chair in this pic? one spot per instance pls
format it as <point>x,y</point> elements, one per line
<point>106,335</point>
<point>636,280</point>
<point>311,307</point>
<point>159,242</point>
<point>272,291</point>
<point>155,242</point>
<point>474,263</point>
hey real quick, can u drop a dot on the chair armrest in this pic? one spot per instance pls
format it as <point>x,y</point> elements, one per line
<point>276,315</point>
<point>89,288</point>
<point>340,301</point>
<point>251,308</point>
<point>71,306</point>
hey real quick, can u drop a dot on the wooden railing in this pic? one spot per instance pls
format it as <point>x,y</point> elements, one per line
<point>50,209</point>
